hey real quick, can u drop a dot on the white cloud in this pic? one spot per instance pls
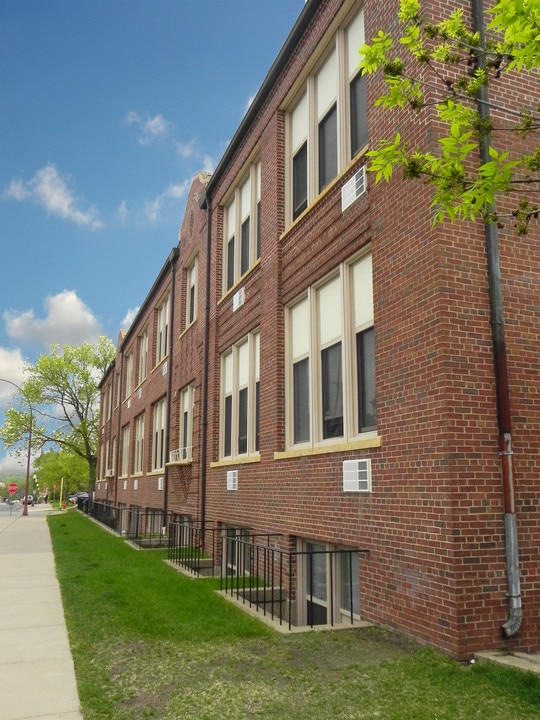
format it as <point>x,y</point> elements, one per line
<point>50,190</point>
<point>122,213</point>
<point>150,128</point>
<point>129,318</point>
<point>185,150</point>
<point>152,208</point>
<point>11,369</point>
<point>67,321</point>
<point>209,164</point>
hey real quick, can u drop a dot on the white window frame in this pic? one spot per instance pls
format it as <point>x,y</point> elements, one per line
<point>126,432</point>
<point>159,434</point>
<point>138,457</point>
<point>191,292</point>
<point>309,336</point>
<point>142,370</point>
<point>243,206</point>
<point>185,424</point>
<point>332,563</point>
<point>162,329</point>
<point>128,375</point>
<point>240,368</point>
<point>332,81</point>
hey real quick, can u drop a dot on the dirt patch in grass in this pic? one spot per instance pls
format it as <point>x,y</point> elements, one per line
<point>149,679</point>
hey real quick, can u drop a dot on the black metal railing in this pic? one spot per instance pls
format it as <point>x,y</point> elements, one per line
<point>147,527</point>
<point>266,578</point>
<point>192,548</point>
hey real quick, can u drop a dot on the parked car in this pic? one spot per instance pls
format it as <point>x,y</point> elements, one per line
<point>28,500</point>
<point>83,495</point>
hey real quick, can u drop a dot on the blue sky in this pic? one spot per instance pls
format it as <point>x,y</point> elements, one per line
<point>108,108</point>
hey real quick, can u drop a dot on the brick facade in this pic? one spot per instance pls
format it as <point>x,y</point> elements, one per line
<point>433,521</point>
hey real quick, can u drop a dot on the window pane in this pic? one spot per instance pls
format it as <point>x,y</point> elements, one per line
<point>365,359</point>
<point>332,392</point>
<point>185,440</point>
<point>244,250</point>
<point>258,243</point>
<point>328,148</point>
<point>227,438</point>
<point>242,420</point>
<point>257,407</point>
<point>350,582</point>
<point>230,263</point>
<point>359,133</point>
<point>301,401</point>
<point>300,181</point>
<point>191,304</point>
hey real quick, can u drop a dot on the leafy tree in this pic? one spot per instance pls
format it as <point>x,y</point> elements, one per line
<point>448,68</point>
<point>62,390</point>
<point>53,466</point>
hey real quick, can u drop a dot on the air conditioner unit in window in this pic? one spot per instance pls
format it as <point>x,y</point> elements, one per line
<point>232,479</point>
<point>353,188</point>
<point>160,483</point>
<point>109,472</point>
<point>238,299</point>
<point>357,475</point>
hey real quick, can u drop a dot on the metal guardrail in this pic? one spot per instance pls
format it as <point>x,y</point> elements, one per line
<point>147,527</point>
<point>192,548</point>
<point>259,577</point>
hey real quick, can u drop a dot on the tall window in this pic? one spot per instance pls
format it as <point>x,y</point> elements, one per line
<point>158,434</point>
<point>128,376</point>
<point>242,227</point>
<point>162,330</point>
<point>139,444</point>
<point>240,398</point>
<point>142,369</point>
<point>191,293</point>
<point>125,450</point>
<point>186,423</point>
<point>328,123</point>
<point>331,352</point>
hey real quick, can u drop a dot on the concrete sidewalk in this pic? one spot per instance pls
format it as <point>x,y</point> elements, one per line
<point>36,666</point>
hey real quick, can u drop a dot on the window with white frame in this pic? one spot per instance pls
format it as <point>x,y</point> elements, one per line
<point>159,427</point>
<point>191,292</point>
<point>331,358</point>
<point>128,376</point>
<point>139,444</point>
<point>125,450</point>
<point>328,122</point>
<point>162,330</point>
<point>330,584</point>
<point>242,227</point>
<point>186,423</point>
<point>142,369</point>
<point>240,398</point>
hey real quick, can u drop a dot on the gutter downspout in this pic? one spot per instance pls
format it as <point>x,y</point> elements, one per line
<point>119,427</point>
<point>206,353</point>
<point>513,624</point>
<point>173,256</point>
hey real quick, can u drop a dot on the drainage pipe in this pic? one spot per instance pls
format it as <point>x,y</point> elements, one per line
<point>206,201</point>
<point>173,257</point>
<point>513,624</point>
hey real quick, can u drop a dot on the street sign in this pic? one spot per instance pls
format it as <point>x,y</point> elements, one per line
<point>12,488</point>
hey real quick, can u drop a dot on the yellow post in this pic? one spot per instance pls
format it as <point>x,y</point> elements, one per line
<point>62,493</point>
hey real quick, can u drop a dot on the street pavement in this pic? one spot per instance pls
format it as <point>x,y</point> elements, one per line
<point>36,666</point>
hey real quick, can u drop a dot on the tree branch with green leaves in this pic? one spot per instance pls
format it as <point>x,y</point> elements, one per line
<point>446,68</point>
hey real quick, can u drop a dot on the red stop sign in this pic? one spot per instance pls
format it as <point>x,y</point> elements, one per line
<point>12,488</point>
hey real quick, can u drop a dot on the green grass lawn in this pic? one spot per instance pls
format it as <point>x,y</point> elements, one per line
<point>150,643</point>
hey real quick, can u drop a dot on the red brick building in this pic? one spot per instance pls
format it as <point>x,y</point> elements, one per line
<point>313,370</point>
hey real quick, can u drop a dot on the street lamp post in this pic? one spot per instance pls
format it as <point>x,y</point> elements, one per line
<point>29,453</point>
